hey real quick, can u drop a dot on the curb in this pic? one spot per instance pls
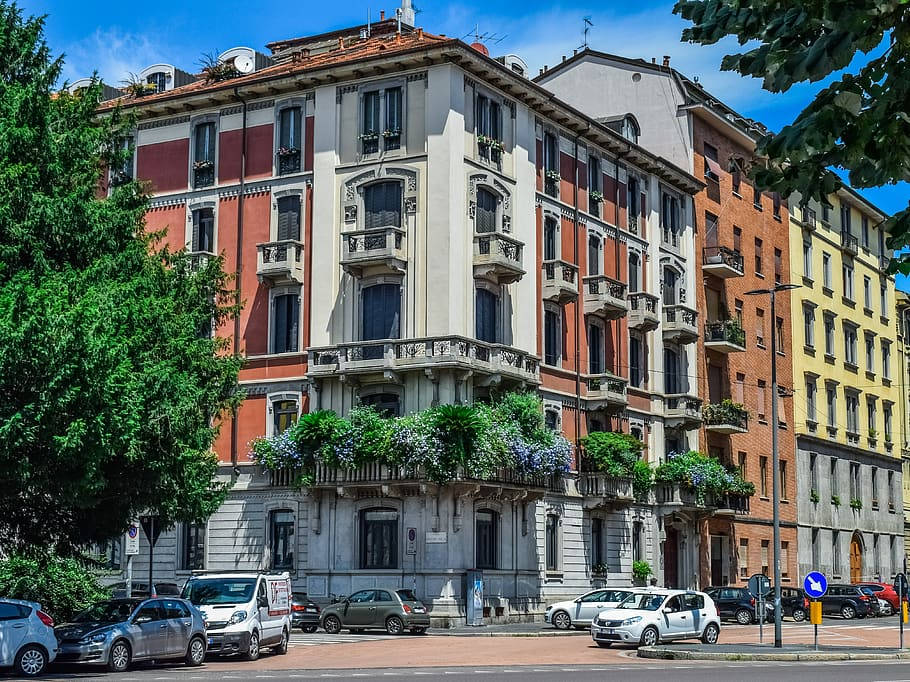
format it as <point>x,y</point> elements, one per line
<point>663,653</point>
<point>542,633</point>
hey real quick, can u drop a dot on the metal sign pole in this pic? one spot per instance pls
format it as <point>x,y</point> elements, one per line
<point>900,614</point>
<point>761,619</point>
<point>816,635</point>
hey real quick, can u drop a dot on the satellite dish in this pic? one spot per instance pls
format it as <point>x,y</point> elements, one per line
<point>244,63</point>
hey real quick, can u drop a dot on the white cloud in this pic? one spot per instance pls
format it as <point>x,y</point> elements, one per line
<point>114,54</point>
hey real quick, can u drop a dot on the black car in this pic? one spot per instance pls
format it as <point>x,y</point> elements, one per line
<point>793,603</point>
<point>141,589</point>
<point>847,600</point>
<point>736,603</point>
<point>304,613</point>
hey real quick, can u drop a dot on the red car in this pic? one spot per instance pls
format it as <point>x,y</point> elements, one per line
<point>884,592</point>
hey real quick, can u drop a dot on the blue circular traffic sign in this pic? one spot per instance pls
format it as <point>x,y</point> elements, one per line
<point>815,584</point>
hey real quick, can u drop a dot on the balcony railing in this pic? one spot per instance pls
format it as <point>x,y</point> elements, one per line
<point>634,223</point>
<point>380,474</point>
<point>280,262</point>
<point>560,281</point>
<point>600,489</point>
<point>680,323</point>
<point>849,242</point>
<point>288,161</point>
<point>722,262</point>
<point>676,495</point>
<point>605,296</point>
<point>203,174</point>
<point>605,390</point>
<point>682,410</point>
<point>498,257</point>
<point>403,355</point>
<point>726,336</point>
<point>808,218</point>
<point>200,259</point>
<point>643,314</point>
<point>726,417</point>
<point>382,248</point>
<point>884,261</point>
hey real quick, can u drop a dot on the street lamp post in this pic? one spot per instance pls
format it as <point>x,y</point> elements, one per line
<point>775,454</point>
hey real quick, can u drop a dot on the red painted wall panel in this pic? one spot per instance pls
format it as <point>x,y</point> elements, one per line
<point>165,165</point>
<point>259,153</point>
<point>308,143</point>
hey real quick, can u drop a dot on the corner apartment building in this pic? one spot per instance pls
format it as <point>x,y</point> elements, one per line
<point>415,223</point>
<point>741,244</point>
<point>902,300</point>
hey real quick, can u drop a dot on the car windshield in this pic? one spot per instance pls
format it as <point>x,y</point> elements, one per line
<point>406,595</point>
<point>114,611</point>
<point>219,590</point>
<point>642,602</point>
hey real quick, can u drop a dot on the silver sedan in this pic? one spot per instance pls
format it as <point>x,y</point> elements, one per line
<point>119,631</point>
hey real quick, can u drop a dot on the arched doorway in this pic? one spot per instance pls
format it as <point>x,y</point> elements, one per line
<point>856,558</point>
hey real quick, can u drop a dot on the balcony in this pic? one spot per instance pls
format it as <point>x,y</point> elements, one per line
<point>390,358</point>
<point>682,498</point>
<point>600,490</point>
<point>560,281</point>
<point>497,257</point>
<point>634,223</point>
<point>726,417</point>
<point>203,174</point>
<point>605,391</point>
<point>288,160</point>
<point>682,411</point>
<point>680,324</point>
<point>643,314</point>
<point>200,259</point>
<point>380,251</point>
<point>725,336</point>
<point>849,243</point>
<point>808,221</point>
<point>605,297</point>
<point>722,262</point>
<point>280,262</point>
<point>884,261</point>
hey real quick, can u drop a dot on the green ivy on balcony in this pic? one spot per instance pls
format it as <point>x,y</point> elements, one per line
<point>702,474</point>
<point>618,455</point>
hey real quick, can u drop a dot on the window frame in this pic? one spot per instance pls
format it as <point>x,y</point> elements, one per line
<point>274,294</point>
<point>486,557</point>
<point>272,415</point>
<point>394,549</point>
<point>385,142</point>
<point>195,124</point>
<point>278,533</point>
<point>301,105</point>
<point>550,311</point>
<point>192,540</point>
<point>551,542</point>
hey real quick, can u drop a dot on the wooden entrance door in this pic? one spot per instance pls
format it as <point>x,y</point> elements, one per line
<point>671,558</point>
<point>856,560</point>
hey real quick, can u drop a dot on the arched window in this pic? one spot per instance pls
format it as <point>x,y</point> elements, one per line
<point>382,205</point>
<point>486,531</point>
<point>485,219</point>
<point>158,79</point>
<point>634,271</point>
<point>550,239</point>
<point>630,129</point>
<point>378,538</point>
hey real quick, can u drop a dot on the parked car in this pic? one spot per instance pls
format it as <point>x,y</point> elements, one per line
<point>886,593</point>
<point>579,612</point>
<point>737,603</point>
<point>847,600</point>
<point>118,632</point>
<point>138,589</point>
<point>304,613</point>
<point>648,617</point>
<point>793,603</point>
<point>27,641</point>
<point>243,611</point>
<point>875,604</point>
<point>395,610</point>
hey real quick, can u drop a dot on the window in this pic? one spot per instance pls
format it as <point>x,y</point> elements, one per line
<point>763,475</point>
<point>835,553</point>
<point>870,353</point>
<point>779,330</point>
<point>848,281</point>
<point>391,136</point>
<point>758,256</point>
<point>831,404</point>
<point>865,232</point>
<point>551,420</point>
<point>370,123</point>
<point>594,255</point>
<point>784,560</point>
<point>778,266</point>
<point>597,541</point>
<point>634,197</point>
<point>886,411</point>
<point>670,219</point>
<point>813,471</point>
<point>203,230</point>
<point>637,544</point>
<point>756,197</point>
<point>281,523</point>
<point>742,558</point>
<point>854,480</point>
<point>736,174</point>
<point>158,79</point>
<point>760,327</point>
<point>595,349</point>
<point>761,399</point>
<point>845,225</point>
<point>629,130</point>
<point>286,323</point>
<point>552,538</point>
<point>889,492</point>
<point>883,300</point>
<point>826,270</point>
<point>109,554</point>
<point>764,557</point>
<point>782,480</point>
<point>634,271</point>
<point>386,404</point>
<point>382,205</point>
<point>192,555</point>
<point>123,172</point>
<point>886,359</point>
<point>710,229</point>
<point>550,239</point>
<point>594,185</point>
<point>379,538</point>
<point>811,391</point>
<point>486,316</point>
<point>807,260</point>
<point>852,413</point>
<point>289,140</point>
<point>712,167</point>
<point>867,293</point>
<point>284,414</point>
<point>672,378</point>
<point>738,387</point>
<point>809,326</point>
<point>775,198</point>
<point>380,312</point>
<point>738,239</point>
<point>636,361</point>
<point>829,335</point>
<point>552,330</point>
<point>874,476</point>
<point>550,152</point>
<point>485,538</point>
<point>835,484</point>
<point>204,155</point>
<point>850,345</point>
<point>289,218</point>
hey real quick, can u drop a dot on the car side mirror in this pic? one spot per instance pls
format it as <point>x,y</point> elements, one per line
<point>262,602</point>
<point>668,609</point>
<point>578,601</point>
<point>140,620</point>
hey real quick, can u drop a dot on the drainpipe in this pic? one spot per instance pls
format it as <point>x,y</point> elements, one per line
<point>239,259</point>
<point>578,302</point>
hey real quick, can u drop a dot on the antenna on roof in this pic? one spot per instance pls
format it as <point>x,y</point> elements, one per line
<point>485,37</point>
<point>587,27</point>
<point>369,25</point>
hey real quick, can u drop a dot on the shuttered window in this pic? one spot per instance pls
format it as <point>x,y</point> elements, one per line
<point>204,230</point>
<point>393,109</point>
<point>485,220</point>
<point>371,113</point>
<point>549,239</point>
<point>289,131</point>
<point>289,218</point>
<point>594,256</point>
<point>285,323</point>
<point>485,538</point>
<point>595,349</point>
<point>486,316</point>
<point>381,312</point>
<point>551,332</point>
<point>205,142</point>
<point>382,204</point>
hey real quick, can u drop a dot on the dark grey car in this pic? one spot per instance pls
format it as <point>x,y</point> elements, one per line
<point>394,610</point>
<point>119,631</point>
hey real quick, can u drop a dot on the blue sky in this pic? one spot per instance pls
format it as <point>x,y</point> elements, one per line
<point>117,38</point>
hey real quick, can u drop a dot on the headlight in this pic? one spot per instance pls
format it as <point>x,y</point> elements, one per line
<point>237,617</point>
<point>550,607</point>
<point>95,639</point>
<point>600,621</point>
<point>632,621</point>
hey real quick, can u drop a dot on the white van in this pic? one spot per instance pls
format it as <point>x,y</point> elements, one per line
<point>244,611</point>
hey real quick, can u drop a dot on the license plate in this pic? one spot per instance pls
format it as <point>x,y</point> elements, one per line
<point>608,631</point>
<point>310,610</point>
<point>420,610</point>
<point>211,640</point>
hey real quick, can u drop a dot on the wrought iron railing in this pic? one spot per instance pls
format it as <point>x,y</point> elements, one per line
<point>725,330</point>
<point>721,255</point>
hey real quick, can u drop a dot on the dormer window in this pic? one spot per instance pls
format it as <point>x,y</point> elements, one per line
<point>630,130</point>
<point>204,155</point>
<point>381,122</point>
<point>289,140</point>
<point>157,79</point>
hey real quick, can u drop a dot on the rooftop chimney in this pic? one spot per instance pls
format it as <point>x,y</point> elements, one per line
<point>564,58</point>
<point>481,48</point>
<point>653,60</point>
<point>407,13</point>
<point>575,52</point>
<point>382,15</point>
<point>419,34</point>
<point>667,60</point>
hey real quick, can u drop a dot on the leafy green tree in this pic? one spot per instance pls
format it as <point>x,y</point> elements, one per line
<point>111,383</point>
<point>859,123</point>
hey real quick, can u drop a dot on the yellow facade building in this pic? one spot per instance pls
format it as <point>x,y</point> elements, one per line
<point>903,341</point>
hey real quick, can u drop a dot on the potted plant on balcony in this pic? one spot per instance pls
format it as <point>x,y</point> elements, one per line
<point>641,571</point>
<point>725,412</point>
<point>552,176</point>
<point>490,143</point>
<point>734,331</point>
<point>288,151</point>
<point>137,87</point>
<point>595,196</point>
<point>703,475</point>
<point>856,504</point>
<point>215,70</point>
<point>369,136</point>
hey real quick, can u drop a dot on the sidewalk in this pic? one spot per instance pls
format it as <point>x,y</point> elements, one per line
<point>766,652</point>
<point>538,629</point>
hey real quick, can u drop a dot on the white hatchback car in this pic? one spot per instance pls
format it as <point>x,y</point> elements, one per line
<point>27,640</point>
<point>581,611</point>
<point>648,617</point>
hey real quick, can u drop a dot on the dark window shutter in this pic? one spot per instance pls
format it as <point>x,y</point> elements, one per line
<point>293,322</point>
<point>280,326</point>
<point>593,256</point>
<point>371,112</point>
<point>495,121</point>
<point>393,108</point>
<point>289,218</point>
<point>486,211</point>
<point>551,338</point>
<point>381,305</point>
<point>549,239</point>
<point>205,142</point>
<point>206,230</point>
<point>595,349</point>
<point>382,202</point>
<point>486,316</point>
<point>194,245</point>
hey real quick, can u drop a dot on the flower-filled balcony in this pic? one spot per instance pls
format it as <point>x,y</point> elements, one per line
<point>288,160</point>
<point>551,179</point>
<point>560,281</point>
<point>695,481</point>
<point>280,262</point>
<point>726,417</point>
<point>391,357</point>
<point>199,260</point>
<point>203,173</point>
<point>682,410</point>
<point>725,336</point>
<point>605,391</point>
<point>722,262</point>
<point>605,297</point>
<point>611,472</point>
<point>643,314</point>
<point>680,324</point>
<point>498,257</point>
<point>379,250</point>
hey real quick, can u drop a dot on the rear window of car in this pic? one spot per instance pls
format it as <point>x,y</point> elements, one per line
<point>13,611</point>
<point>693,602</point>
<point>406,595</point>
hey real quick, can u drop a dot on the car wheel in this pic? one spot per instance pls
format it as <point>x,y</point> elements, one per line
<point>799,615</point>
<point>710,634</point>
<point>309,629</point>
<point>332,625</point>
<point>744,617</point>
<point>418,631</point>
<point>847,611</point>
<point>282,647</point>
<point>253,653</point>
<point>650,636</point>
<point>604,645</point>
<point>30,661</point>
<point>394,626</point>
<point>118,660</point>
<point>195,652</point>
<point>561,620</point>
